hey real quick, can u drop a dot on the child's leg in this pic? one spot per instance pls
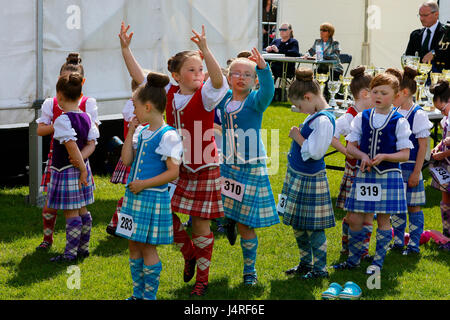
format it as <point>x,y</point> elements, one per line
<point>356,236</point>
<point>86,220</point>
<point>249,245</point>
<point>445,214</point>
<point>186,246</point>
<point>345,227</point>
<point>304,247</point>
<point>367,228</point>
<point>152,270</point>
<point>115,218</point>
<point>203,240</point>
<point>399,226</point>
<point>416,224</point>
<point>384,236</point>
<point>319,250</point>
<point>49,221</point>
<point>136,267</point>
<point>73,233</point>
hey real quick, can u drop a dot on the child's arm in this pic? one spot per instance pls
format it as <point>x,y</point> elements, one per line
<point>214,70</point>
<point>44,129</point>
<point>264,95</point>
<point>441,155</point>
<point>133,66</point>
<point>170,174</point>
<point>414,178</point>
<point>128,153</point>
<point>86,152</point>
<point>75,154</point>
<point>355,152</point>
<point>340,147</point>
<point>399,156</point>
<point>295,135</point>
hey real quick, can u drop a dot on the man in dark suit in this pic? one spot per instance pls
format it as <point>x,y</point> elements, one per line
<point>432,41</point>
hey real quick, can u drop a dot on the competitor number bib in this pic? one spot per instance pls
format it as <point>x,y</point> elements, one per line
<point>368,191</point>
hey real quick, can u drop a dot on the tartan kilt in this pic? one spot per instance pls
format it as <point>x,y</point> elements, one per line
<point>414,196</point>
<point>308,204</point>
<point>393,198</point>
<point>120,174</point>
<point>64,192</point>
<point>198,193</point>
<point>257,208</point>
<point>152,217</point>
<point>346,185</point>
<point>434,181</point>
<point>46,175</point>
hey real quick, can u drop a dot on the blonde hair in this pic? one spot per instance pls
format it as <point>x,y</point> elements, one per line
<point>329,27</point>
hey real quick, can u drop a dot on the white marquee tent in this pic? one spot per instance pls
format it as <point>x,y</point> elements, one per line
<point>37,35</point>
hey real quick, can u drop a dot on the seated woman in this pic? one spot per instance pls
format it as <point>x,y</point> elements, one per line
<point>330,49</point>
<point>286,45</point>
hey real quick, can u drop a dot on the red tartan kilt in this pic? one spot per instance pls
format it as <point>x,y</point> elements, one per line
<point>198,193</point>
<point>47,173</point>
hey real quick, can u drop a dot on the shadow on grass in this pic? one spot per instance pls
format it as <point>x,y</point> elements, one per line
<point>294,288</point>
<point>110,246</point>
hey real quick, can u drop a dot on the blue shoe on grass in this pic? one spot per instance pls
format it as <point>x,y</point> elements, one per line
<point>351,291</point>
<point>332,292</point>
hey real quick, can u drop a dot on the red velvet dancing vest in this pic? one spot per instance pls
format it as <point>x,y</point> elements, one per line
<point>196,128</point>
<point>351,162</point>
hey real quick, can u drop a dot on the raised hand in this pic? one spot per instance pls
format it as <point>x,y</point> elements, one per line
<point>125,39</point>
<point>200,39</point>
<point>258,58</point>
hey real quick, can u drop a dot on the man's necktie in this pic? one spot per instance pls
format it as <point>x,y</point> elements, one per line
<point>425,44</point>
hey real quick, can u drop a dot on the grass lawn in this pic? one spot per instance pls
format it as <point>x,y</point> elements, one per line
<point>27,274</point>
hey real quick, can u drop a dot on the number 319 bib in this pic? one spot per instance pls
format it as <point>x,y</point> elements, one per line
<point>368,191</point>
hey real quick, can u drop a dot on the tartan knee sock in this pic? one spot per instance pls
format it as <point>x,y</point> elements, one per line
<point>182,239</point>
<point>73,236</point>
<point>151,280</point>
<point>115,217</point>
<point>445,214</point>
<point>203,253</point>
<point>249,250</point>
<point>137,275</point>
<point>399,225</point>
<point>416,223</point>
<point>344,235</point>
<point>383,239</point>
<point>368,228</point>
<point>304,247</point>
<point>355,246</point>
<point>86,220</point>
<point>319,250</point>
<point>49,218</point>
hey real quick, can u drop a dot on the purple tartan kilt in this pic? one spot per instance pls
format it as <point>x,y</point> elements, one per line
<point>64,192</point>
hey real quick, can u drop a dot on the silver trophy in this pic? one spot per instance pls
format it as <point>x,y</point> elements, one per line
<point>333,88</point>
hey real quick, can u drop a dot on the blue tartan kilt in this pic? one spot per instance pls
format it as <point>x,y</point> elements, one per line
<point>64,192</point>
<point>151,214</point>
<point>257,208</point>
<point>393,199</point>
<point>308,204</point>
<point>414,196</point>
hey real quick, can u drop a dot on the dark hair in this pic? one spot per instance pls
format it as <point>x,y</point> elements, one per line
<point>73,64</point>
<point>175,63</point>
<point>304,83</point>
<point>440,91</point>
<point>408,80</point>
<point>385,79</point>
<point>244,54</point>
<point>361,80</point>
<point>153,91</point>
<point>70,85</point>
<point>396,73</point>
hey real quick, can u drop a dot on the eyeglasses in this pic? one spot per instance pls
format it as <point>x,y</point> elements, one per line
<point>244,75</point>
<point>283,29</point>
<point>324,30</point>
<point>425,15</point>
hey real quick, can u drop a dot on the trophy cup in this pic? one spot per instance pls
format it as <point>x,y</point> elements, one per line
<point>428,106</point>
<point>378,70</point>
<point>345,82</point>
<point>322,78</point>
<point>434,76</point>
<point>446,75</point>
<point>421,79</point>
<point>333,87</point>
<point>370,70</point>
<point>410,61</point>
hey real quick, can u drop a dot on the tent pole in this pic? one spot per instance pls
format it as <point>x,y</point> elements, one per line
<point>34,141</point>
<point>365,52</point>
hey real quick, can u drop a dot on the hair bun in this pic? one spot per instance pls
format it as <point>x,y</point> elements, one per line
<point>159,80</point>
<point>396,73</point>
<point>75,78</point>
<point>358,71</point>
<point>440,87</point>
<point>73,58</point>
<point>409,72</point>
<point>304,74</point>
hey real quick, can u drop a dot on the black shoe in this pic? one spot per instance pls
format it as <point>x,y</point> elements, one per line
<point>344,266</point>
<point>316,275</point>
<point>250,279</point>
<point>189,269</point>
<point>111,231</point>
<point>82,255</point>
<point>299,270</point>
<point>395,248</point>
<point>44,246</point>
<point>199,289</point>
<point>231,231</point>
<point>63,258</point>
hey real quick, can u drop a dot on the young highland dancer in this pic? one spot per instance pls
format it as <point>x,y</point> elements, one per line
<point>71,187</point>
<point>441,153</point>
<point>308,208</point>
<point>154,153</point>
<point>379,139</point>
<point>247,195</point>
<point>359,88</point>
<point>412,169</point>
<point>50,111</point>
<point>190,109</point>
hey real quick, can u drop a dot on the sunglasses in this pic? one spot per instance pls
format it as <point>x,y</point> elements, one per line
<point>283,29</point>
<point>324,30</point>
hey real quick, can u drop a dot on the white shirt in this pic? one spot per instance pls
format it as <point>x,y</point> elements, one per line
<point>343,125</point>
<point>128,110</point>
<point>169,146</point>
<point>47,111</point>
<point>433,30</point>
<point>421,123</point>
<point>319,140</point>
<point>64,131</point>
<point>402,130</point>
